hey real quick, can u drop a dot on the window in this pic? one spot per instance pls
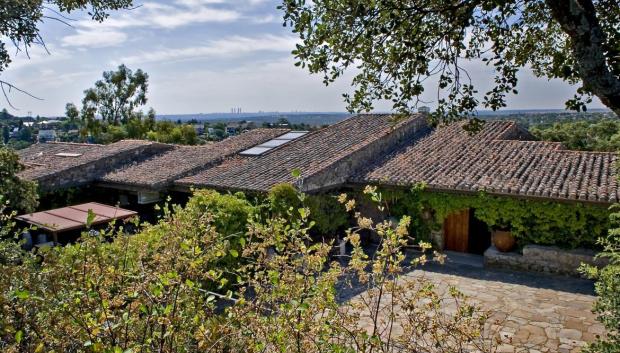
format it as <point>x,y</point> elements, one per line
<point>273,143</point>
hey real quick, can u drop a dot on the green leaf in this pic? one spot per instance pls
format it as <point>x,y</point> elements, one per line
<point>22,294</point>
<point>19,335</point>
<point>90,218</point>
<point>296,173</point>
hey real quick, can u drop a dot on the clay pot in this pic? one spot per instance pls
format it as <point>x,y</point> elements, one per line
<point>503,240</point>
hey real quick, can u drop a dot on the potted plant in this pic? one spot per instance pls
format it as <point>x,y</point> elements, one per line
<point>503,239</point>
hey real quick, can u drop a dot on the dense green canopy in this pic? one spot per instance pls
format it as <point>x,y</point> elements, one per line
<point>396,45</point>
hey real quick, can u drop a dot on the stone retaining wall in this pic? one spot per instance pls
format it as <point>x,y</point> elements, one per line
<point>545,259</point>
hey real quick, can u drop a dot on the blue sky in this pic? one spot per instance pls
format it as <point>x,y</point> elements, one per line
<point>204,56</point>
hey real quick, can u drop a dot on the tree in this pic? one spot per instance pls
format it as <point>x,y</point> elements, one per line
<point>71,112</point>
<point>20,194</point>
<point>25,134</point>
<point>396,45</point>
<point>19,23</point>
<point>6,135</point>
<point>4,114</point>
<point>116,97</point>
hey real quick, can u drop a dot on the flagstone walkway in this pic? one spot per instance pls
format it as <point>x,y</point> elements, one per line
<point>531,312</point>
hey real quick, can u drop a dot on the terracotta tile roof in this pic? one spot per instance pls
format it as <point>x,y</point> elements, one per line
<point>161,170</point>
<point>45,160</point>
<point>450,159</point>
<point>327,157</point>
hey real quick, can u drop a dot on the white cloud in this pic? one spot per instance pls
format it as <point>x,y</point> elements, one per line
<point>262,19</point>
<point>198,15</point>
<point>150,15</point>
<point>94,39</point>
<point>233,46</point>
<point>156,15</point>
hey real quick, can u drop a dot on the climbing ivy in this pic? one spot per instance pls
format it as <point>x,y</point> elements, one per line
<point>567,225</point>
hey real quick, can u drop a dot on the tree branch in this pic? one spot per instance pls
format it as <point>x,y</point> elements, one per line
<point>587,39</point>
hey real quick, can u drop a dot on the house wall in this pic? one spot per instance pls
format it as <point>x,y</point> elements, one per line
<point>86,173</point>
<point>338,173</point>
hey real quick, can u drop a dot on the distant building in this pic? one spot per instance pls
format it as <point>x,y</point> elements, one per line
<point>232,129</point>
<point>200,129</point>
<point>46,136</point>
<point>424,110</point>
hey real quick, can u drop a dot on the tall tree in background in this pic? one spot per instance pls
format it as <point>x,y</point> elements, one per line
<point>20,20</point>
<point>396,45</point>
<point>6,134</point>
<point>116,97</point>
<point>71,112</point>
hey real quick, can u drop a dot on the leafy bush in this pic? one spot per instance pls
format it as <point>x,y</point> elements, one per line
<point>283,199</point>
<point>326,213</point>
<point>150,292</point>
<point>607,288</point>
<point>230,212</point>
<point>20,194</point>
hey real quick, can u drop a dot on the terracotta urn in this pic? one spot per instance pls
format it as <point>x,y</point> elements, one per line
<point>503,240</point>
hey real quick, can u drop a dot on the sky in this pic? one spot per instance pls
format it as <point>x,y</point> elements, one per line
<point>205,56</point>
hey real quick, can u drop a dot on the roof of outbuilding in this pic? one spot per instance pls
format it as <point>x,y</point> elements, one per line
<point>451,159</point>
<point>162,169</point>
<point>311,154</point>
<point>46,159</point>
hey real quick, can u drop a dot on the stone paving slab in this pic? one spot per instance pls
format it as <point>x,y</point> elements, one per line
<point>531,312</point>
<point>527,318</point>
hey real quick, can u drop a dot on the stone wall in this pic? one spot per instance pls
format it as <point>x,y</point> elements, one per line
<point>545,259</point>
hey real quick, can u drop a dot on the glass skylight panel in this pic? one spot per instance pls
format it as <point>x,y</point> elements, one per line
<point>273,143</point>
<point>255,151</point>
<point>292,135</point>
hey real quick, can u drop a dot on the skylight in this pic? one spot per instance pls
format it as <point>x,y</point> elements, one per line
<point>65,154</point>
<point>273,143</point>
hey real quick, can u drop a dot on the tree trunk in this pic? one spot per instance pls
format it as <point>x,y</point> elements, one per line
<point>578,19</point>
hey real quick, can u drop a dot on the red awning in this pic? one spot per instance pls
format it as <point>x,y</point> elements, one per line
<point>74,217</point>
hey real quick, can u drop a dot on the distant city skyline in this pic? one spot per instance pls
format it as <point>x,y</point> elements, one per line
<point>206,56</point>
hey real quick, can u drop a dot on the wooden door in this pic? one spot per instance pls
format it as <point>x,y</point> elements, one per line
<point>456,231</point>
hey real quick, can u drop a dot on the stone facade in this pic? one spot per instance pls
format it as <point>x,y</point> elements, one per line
<point>545,259</point>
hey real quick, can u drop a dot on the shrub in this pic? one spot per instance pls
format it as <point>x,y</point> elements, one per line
<point>607,289</point>
<point>21,195</point>
<point>230,212</point>
<point>284,200</point>
<point>326,213</point>
<point>150,292</point>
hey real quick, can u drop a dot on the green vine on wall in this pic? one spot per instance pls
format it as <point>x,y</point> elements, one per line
<point>567,225</point>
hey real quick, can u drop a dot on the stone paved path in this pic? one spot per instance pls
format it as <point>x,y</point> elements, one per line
<point>532,313</point>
